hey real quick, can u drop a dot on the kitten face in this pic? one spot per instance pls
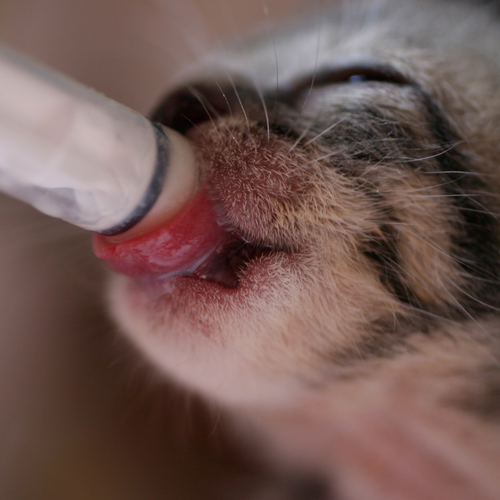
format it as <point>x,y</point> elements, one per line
<point>351,158</point>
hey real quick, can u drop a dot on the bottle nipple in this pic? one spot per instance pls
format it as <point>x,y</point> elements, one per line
<point>75,154</point>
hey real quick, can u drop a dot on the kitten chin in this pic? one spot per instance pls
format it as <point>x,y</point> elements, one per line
<point>360,196</point>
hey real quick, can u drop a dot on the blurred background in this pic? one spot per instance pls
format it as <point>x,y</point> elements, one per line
<point>80,416</point>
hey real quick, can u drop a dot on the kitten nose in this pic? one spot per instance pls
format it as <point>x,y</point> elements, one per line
<point>194,104</point>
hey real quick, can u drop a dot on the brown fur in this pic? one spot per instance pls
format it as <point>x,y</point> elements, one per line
<point>378,204</point>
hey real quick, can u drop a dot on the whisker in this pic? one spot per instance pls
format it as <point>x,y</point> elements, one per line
<point>193,124</point>
<point>217,114</point>
<point>225,98</point>
<point>464,173</point>
<point>270,29</point>
<point>456,259</point>
<point>430,157</point>
<point>428,314</point>
<point>301,136</point>
<point>461,307</point>
<point>315,70</point>
<point>432,187</point>
<point>475,299</point>
<point>419,310</point>
<point>480,205</point>
<point>231,80</point>
<point>332,126</point>
<point>334,153</point>
<point>200,99</point>
<point>264,106</point>
<point>373,167</point>
<point>464,310</point>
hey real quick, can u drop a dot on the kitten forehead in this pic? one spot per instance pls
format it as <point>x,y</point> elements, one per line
<point>362,29</point>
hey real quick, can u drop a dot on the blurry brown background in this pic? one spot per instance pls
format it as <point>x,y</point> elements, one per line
<point>79,418</point>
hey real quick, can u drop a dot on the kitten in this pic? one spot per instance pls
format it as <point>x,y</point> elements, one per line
<point>351,318</point>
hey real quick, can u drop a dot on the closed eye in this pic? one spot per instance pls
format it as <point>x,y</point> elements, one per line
<point>355,74</point>
<point>359,74</point>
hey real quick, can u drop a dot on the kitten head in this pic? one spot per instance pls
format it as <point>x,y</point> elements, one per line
<point>351,157</point>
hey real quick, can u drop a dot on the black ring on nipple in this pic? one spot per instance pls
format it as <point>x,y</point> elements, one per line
<point>155,186</point>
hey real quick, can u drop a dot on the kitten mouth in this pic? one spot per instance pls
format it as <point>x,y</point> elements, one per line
<point>198,244</point>
<point>227,266</point>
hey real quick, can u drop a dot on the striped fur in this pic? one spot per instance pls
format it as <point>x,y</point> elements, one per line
<point>361,151</point>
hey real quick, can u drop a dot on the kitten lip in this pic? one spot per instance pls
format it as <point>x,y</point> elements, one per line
<point>185,294</point>
<point>222,272</point>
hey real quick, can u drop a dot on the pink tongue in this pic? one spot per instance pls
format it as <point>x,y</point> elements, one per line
<point>178,247</point>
